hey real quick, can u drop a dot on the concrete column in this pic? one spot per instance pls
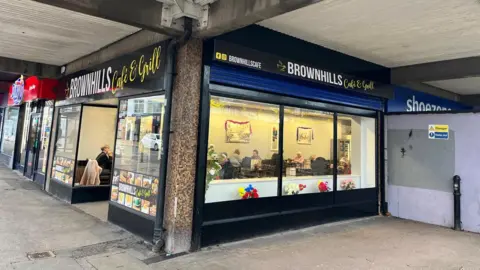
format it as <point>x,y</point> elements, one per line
<point>183,148</point>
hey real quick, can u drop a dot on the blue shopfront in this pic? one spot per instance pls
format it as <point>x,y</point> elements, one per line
<point>291,136</point>
<point>410,101</point>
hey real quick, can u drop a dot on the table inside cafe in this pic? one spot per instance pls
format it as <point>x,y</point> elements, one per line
<point>262,176</point>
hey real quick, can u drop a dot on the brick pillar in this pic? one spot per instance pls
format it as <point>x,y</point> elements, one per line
<point>180,185</point>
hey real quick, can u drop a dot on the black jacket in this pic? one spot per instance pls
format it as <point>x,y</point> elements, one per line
<point>104,161</point>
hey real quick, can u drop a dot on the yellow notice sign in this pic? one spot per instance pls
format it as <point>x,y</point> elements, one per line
<point>438,132</point>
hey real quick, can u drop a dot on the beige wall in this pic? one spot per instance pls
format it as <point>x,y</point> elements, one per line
<point>98,128</point>
<point>262,122</point>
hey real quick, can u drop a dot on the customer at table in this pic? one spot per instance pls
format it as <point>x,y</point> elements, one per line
<point>255,155</point>
<point>298,158</point>
<point>235,159</point>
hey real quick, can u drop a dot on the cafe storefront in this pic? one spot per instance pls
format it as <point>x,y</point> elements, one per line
<point>292,137</point>
<point>106,138</point>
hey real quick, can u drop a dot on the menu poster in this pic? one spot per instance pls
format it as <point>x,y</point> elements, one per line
<point>114,196</point>
<point>135,190</point>
<point>121,198</point>
<point>128,200</point>
<point>116,177</point>
<point>62,169</point>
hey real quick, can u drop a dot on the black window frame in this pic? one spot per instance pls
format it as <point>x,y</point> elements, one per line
<point>273,205</point>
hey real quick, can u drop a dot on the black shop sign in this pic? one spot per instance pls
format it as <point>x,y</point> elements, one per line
<point>241,56</point>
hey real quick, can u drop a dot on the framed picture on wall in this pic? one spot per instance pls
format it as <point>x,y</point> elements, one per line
<point>274,139</point>
<point>237,132</point>
<point>304,135</point>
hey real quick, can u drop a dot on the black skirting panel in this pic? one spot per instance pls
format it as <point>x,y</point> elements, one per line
<point>229,221</point>
<point>61,190</point>
<point>131,221</point>
<point>90,194</point>
<point>39,178</point>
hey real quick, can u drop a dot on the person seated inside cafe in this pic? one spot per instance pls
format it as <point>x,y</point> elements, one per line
<point>298,160</point>
<point>104,159</point>
<point>235,159</point>
<point>255,155</point>
<point>344,166</point>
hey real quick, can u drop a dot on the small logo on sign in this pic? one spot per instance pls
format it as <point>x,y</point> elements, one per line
<point>281,66</point>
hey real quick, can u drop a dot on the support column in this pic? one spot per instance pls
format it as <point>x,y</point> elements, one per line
<point>182,158</point>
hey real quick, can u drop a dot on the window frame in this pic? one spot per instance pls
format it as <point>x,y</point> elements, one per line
<point>115,204</point>
<point>222,91</point>
<point>229,212</point>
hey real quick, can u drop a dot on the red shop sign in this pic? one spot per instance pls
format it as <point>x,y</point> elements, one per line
<point>31,89</point>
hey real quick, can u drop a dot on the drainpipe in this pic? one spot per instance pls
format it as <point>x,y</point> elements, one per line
<point>158,233</point>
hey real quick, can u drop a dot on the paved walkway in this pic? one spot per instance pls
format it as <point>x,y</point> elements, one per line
<point>31,222</point>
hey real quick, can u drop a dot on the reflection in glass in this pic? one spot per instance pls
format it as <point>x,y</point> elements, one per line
<point>66,144</point>
<point>307,146</point>
<point>137,153</point>
<point>44,138</point>
<point>25,132</point>
<point>242,161</point>
<point>10,131</point>
<point>355,152</point>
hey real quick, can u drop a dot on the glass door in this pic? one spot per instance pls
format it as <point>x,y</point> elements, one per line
<point>32,144</point>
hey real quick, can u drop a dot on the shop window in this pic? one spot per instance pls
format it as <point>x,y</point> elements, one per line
<point>25,132</point>
<point>10,131</point>
<point>66,144</point>
<point>44,138</point>
<point>355,152</point>
<point>307,151</point>
<point>97,136</point>
<point>137,155</point>
<point>242,158</point>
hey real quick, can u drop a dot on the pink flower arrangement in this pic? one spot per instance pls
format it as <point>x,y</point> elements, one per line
<point>347,184</point>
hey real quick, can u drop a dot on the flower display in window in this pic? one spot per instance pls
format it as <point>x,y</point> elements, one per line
<point>294,189</point>
<point>213,166</point>
<point>347,184</point>
<point>323,186</point>
<point>248,193</point>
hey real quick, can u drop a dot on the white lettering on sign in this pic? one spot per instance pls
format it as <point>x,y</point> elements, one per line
<point>314,74</point>
<point>245,62</point>
<point>92,83</point>
<point>418,106</point>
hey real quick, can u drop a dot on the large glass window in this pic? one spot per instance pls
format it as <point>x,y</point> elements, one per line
<point>44,138</point>
<point>66,144</point>
<point>243,161</point>
<point>10,131</point>
<point>137,154</point>
<point>356,152</point>
<point>243,151</point>
<point>308,151</point>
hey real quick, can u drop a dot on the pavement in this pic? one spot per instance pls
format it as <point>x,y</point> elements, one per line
<point>39,232</point>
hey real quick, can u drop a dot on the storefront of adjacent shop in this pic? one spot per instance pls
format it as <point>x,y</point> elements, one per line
<point>292,136</point>
<point>119,104</point>
<point>411,101</point>
<point>27,125</point>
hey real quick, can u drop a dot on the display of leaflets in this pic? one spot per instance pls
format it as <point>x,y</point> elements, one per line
<point>62,169</point>
<point>135,190</point>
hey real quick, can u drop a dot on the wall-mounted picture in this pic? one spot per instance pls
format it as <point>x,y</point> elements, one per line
<point>274,139</point>
<point>237,132</point>
<point>304,135</point>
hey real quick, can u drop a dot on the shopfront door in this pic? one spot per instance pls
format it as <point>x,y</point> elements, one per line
<point>33,144</point>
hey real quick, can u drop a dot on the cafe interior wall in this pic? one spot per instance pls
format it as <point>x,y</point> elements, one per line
<point>98,129</point>
<point>262,121</point>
